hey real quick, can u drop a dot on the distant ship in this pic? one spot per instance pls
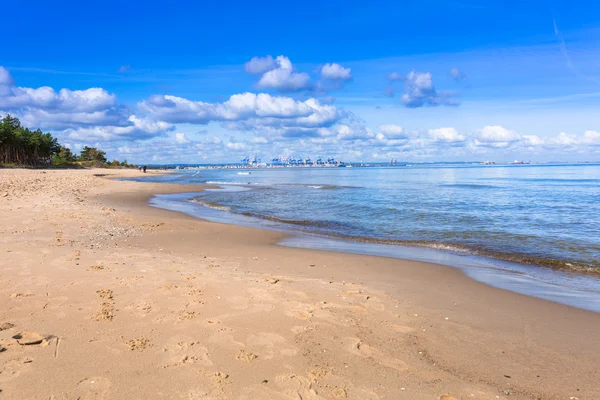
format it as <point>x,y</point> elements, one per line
<point>488,163</point>
<point>517,162</point>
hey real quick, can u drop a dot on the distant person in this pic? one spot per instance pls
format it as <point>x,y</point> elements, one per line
<point>144,168</point>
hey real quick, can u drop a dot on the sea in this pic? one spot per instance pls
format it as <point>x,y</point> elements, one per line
<point>533,229</point>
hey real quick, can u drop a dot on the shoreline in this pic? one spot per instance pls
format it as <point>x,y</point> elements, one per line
<point>564,287</point>
<point>525,256</point>
<point>322,324</point>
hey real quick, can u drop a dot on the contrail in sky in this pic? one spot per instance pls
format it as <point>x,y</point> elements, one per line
<point>563,50</point>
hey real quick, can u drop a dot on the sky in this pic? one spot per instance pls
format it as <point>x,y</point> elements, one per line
<point>211,82</point>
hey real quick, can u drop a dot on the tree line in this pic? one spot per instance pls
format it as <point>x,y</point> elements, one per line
<point>22,146</point>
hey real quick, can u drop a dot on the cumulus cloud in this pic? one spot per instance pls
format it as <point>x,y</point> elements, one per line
<point>457,74</point>
<point>419,91</point>
<point>447,135</point>
<point>496,136</point>
<point>237,146</point>
<point>335,72</point>
<point>247,111</point>
<point>392,131</point>
<point>260,65</point>
<point>591,138</point>
<point>45,98</point>
<point>138,128</point>
<point>91,113</point>
<point>283,77</point>
<point>181,138</point>
<point>259,140</point>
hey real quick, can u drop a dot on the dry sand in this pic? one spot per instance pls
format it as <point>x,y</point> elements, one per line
<point>103,297</point>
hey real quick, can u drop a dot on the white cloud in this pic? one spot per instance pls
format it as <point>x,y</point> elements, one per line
<point>532,141</point>
<point>591,138</point>
<point>138,128</point>
<point>6,82</point>
<point>247,111</point>
<point>86,114</point>
<point>419,91</point>
<point>354,132</point>
<point>283,77</point>
<point>236,146</point>
<point>496,136</point>
<point>259,140</point>
<point>181,138</point>
<point>392,131</point>
<point>260,65</point>
<point>447,135</point>
<point>45,98</point>
<point>335,72</point>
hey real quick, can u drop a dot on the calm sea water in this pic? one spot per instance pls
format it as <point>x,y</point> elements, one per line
<point>534,220</point>
<point>546,215</point>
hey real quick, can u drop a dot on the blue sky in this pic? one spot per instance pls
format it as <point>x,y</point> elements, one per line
<point>417,81</point>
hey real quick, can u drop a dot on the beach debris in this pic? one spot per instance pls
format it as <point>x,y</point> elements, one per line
<point>29,338</point>
<point>5,194</point>
<point>446,318</point>
<point>6,325</point>
<point>446,397</point>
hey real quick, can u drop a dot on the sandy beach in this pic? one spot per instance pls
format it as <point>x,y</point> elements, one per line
<point>104,297</point>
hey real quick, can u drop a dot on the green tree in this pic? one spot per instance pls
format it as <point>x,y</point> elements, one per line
<point>22,146</point>
<point>63,156</point>
<point>92,154</point>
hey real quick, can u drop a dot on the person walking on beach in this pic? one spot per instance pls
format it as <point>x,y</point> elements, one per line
<point>144,168</point>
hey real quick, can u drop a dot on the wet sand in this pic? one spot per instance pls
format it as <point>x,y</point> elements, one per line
<point>103,296</point>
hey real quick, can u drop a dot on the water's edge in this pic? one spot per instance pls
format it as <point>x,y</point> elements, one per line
<point>575,290</point>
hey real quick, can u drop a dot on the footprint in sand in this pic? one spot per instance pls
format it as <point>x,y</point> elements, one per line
<point>11,369</point>
<point>272,343</point>
<point>93,388</point>
<point>244,355</point>
<point>139,343</point>
<point>299,314</point>
<point>5,326</point>
<point>142,308</point>
<point>361,349</point>
<point>185,353</point>
<point>184,315</point>
<point>299,310</point>
<point>107,308</point>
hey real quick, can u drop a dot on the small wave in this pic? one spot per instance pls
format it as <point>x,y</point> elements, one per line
<point>329,187</point>
<point>236,183</point>
<point>469,186</point>
<point>208,204</point>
